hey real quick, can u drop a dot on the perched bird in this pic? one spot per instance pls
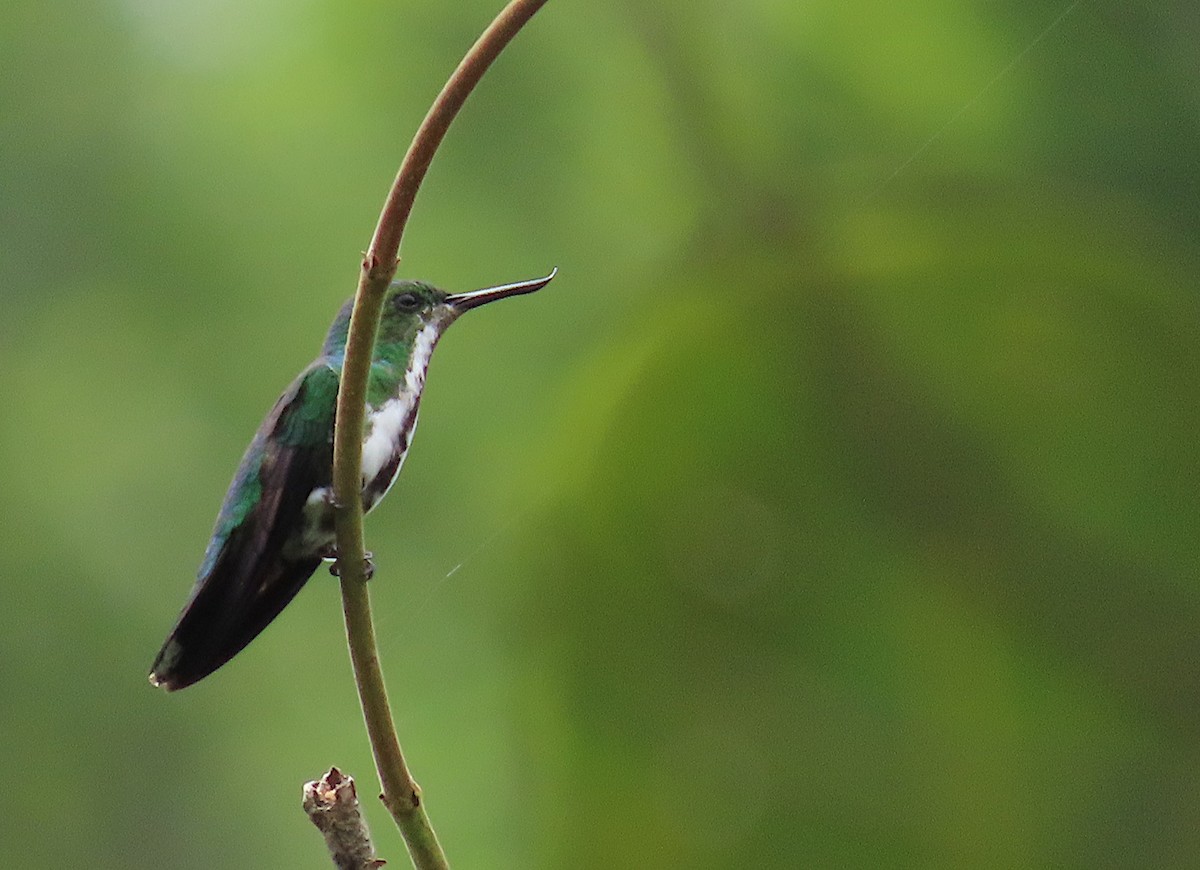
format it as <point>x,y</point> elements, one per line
<point>276,523</point>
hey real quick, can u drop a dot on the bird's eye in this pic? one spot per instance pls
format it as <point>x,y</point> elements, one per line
<point>408,302</point>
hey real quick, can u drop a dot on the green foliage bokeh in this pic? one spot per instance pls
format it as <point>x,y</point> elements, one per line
<point>836,505</point>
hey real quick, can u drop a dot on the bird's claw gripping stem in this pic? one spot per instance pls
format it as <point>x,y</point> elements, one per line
<point>368,565</point>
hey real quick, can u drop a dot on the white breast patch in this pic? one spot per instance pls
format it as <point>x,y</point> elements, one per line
<point>386,425</point>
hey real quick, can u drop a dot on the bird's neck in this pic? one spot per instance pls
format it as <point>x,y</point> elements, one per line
<point>399,369</point>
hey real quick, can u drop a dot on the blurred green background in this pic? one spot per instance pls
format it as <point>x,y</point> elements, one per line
<point>835,507</point>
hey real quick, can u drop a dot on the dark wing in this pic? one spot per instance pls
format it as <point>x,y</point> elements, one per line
<point>247,578</point>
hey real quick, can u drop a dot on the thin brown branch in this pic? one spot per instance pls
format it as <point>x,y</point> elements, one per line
<point>385,244</point>
<point>400,793</point>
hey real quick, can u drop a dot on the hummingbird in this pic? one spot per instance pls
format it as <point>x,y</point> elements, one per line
<point>276,524</point>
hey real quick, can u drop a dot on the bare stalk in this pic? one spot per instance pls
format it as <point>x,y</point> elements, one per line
<point>401,794</point>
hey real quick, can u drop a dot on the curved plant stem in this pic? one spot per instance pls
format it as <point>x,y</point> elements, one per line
<point>400,793</point>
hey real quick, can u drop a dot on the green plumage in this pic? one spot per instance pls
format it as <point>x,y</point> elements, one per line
<point>276,522</point>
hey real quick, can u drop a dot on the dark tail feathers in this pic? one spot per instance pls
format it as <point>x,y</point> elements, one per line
<point>221,617</point>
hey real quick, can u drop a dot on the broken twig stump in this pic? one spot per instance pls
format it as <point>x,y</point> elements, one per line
<point>332,804</point>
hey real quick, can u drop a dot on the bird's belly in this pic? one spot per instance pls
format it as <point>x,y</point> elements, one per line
<point>384,448</point>
<point>377,487</point>
<point>390,432</point>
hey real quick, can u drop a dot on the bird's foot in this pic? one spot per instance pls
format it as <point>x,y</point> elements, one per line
<point>368,565</point>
